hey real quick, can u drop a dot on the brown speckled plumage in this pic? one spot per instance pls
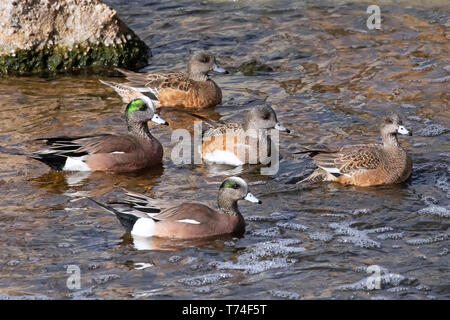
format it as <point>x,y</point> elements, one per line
<point>364,165</point>
<point>193,89</point>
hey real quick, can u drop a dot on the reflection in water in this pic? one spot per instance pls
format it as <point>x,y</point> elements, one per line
<point>331,81</point>
<point>163,244</point>
<point>66,182</point>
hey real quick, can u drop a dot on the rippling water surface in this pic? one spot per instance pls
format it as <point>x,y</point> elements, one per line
<point>331,82</point>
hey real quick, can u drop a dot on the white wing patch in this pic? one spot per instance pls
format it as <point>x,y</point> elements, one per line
<point>117,152</point>
<point>191,221</point>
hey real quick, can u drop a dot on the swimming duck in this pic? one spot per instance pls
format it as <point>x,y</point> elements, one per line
<point>367,164</point>
<point>193,89</point>
<point>108,152</point>
<point>187,220</point>
<point>236,144</point>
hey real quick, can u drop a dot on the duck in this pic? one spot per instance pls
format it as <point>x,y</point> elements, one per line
<point>133,151</point>
<point>366,164</point>
<point>192,90</point>
<point>236,144</point>
<point>187,220</point>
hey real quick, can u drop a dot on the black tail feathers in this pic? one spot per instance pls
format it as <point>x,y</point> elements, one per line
<point>126,220</point>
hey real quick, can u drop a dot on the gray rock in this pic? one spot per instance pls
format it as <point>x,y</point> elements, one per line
<point>63,35</point>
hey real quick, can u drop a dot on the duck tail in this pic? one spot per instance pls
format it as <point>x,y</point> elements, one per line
<point>109,84</point>
<point>126,220</point>
<point>125,72</point>
<point>54,161</point>
<point>318,175</point>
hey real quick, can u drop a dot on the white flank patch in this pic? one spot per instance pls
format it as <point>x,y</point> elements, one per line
<point>144,227</point>
<point>117,152</point>
<point>223,157</point>
<point>76,164</point>
<point>191,221</point>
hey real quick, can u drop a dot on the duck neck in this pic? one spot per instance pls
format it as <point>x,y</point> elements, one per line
<point>251,130</point>
<point>390,140</point>
<point>139,129</point>
<point>197,76</point>
<point>247,125</point>
<point>228,206</point>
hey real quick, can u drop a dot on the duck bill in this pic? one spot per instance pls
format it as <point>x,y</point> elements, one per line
<point>250,197</point>
<point>404,131</point>
<point>218,69</point>
<point>281,128</point>
<point>157,119</point>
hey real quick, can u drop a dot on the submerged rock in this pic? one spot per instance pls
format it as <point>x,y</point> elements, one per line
<point>253,68</point>
<point>64,35</point>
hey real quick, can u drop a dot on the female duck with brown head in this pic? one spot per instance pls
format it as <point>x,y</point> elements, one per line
<point>236,144</point>
<point>365,165</point>
<point>193,89</point>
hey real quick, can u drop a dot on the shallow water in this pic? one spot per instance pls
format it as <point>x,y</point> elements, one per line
<point>331,82</point>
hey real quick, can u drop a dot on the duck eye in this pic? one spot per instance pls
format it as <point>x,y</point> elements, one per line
<point>266,116</point>
<point>143,107</point>
<point>235,186</point>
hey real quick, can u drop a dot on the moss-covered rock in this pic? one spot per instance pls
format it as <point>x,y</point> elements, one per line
<point>65,35</point>
<point>254,67</point>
